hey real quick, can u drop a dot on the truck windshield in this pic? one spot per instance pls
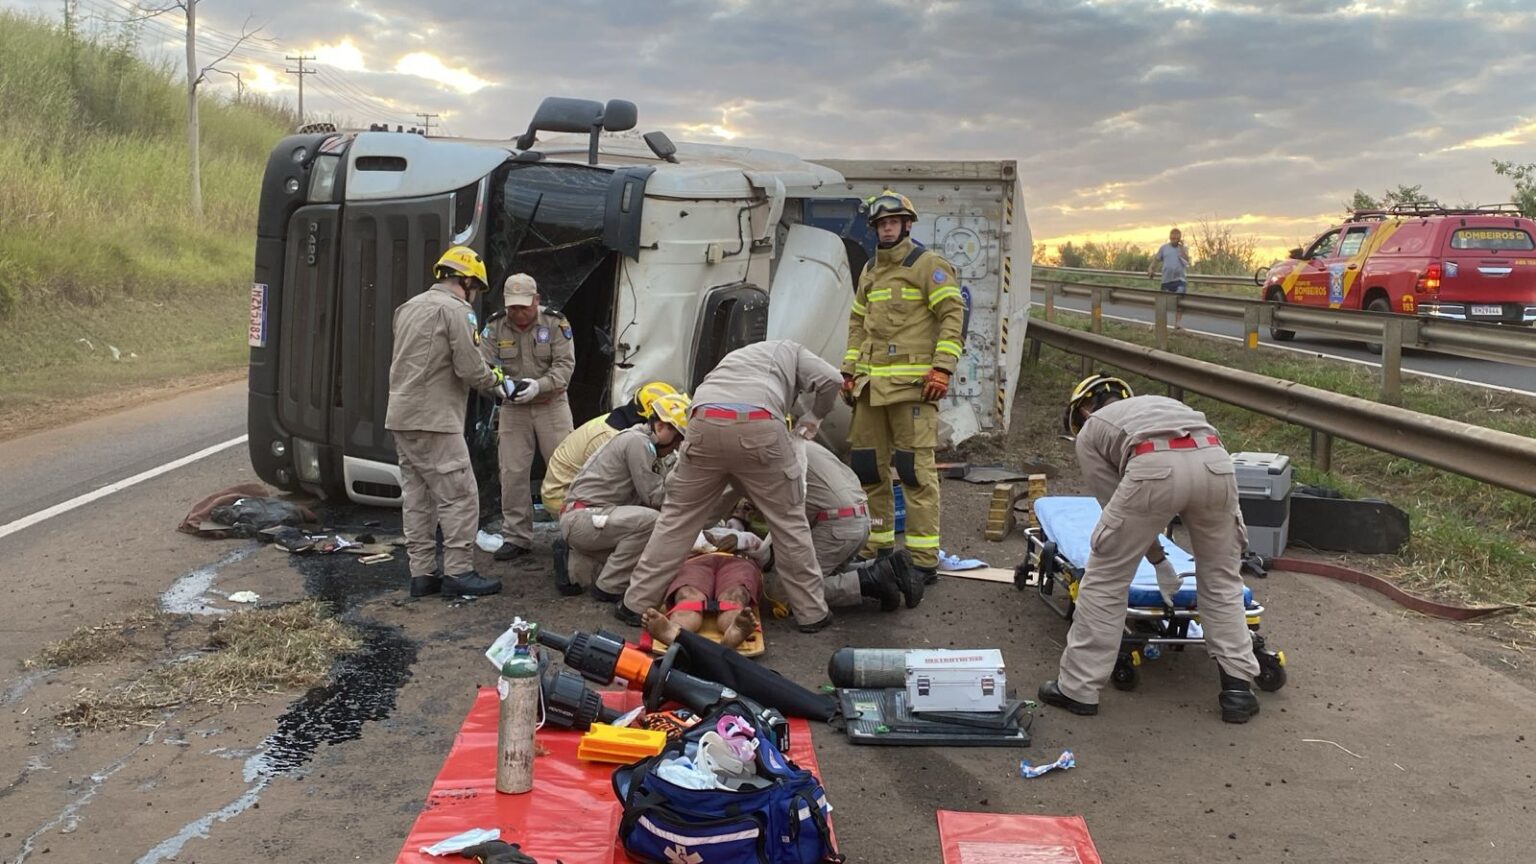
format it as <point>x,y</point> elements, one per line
<point>547,221</point>
<point>1491,238</point>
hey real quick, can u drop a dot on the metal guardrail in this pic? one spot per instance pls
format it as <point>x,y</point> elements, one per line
<point>1487,455</point>
<point>1197,278</point>
<point>1495,342</point>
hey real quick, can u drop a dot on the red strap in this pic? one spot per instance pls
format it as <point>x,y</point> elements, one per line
<point>573,505</point>
<point>727,414</point>
<point>840,513</point>
<point>1185,443</point>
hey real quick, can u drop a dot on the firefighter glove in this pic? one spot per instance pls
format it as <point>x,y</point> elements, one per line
<point>848,381</point>
<point>935,385</point>
<point>527,390</point>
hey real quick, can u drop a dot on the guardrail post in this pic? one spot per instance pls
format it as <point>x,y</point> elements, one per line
<point>1322,451</point>
<point>1096,321</point>
<point>1175,392</point>
<point>1050,301</point>
<point>1034,351</point>
<point>1392,362</point>
<point>1251,327</point>
<point>1160,322</point>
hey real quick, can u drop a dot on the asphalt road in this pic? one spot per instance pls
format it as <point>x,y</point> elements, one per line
<point>1397,738</point>
<point>1513,377</point>
<point>43,469</point>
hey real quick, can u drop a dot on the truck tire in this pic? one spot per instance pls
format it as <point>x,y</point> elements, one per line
<point>1275,295</point>
<point>1377,304</point>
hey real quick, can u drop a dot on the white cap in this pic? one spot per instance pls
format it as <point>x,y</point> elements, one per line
<point>519,290</point>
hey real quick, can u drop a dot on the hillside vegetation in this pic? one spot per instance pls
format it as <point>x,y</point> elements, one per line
<point>106,281</point>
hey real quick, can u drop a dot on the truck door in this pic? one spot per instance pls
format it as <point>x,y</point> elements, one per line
<point>1490,268</point>
<point>811,296</point>
<point>1347,264</point>
<point>1309,282</point>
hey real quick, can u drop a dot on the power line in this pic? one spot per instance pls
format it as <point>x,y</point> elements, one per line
<point>426,123</point>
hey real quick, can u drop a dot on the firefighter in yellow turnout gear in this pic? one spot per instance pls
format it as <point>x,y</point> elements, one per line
<point>904,339</point>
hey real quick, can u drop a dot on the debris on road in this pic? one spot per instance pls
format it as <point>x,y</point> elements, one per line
<point>1064,761</point>
<point>245,597</point>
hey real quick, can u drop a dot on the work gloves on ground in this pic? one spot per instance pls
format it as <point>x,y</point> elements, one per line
<point>1168,580</point>
<point>935,385</point>
<point>529,391</point>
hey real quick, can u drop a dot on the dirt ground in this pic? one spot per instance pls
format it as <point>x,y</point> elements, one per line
<point>1398,738</point>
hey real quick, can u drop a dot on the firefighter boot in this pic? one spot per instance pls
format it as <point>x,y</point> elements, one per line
<point>470,584</point>
<point>423,586</point>
<point>563,582</point>
<point>877,580</point>
<point>910,582</point>
<point>1238,704</point>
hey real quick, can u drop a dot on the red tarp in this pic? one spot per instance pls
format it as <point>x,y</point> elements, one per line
<point>570,815</point>
<point>1002,838</point>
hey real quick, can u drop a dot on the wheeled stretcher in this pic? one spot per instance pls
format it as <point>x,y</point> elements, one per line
<point>1054,565</point>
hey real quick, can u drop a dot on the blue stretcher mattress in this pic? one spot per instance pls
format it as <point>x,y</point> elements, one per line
<point>1069,521</point>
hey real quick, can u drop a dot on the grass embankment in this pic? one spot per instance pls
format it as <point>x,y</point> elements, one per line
<point>1471,542</point>
<point>100,250</point>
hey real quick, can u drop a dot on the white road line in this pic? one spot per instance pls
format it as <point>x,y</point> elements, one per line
<point>1311,352</point>
<point>81,500</point>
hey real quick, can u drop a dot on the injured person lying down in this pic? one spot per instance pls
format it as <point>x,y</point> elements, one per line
<point>724,583</point>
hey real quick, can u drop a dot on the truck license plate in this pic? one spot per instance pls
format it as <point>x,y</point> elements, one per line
<point>1487,310</point>
<point>256,336</point>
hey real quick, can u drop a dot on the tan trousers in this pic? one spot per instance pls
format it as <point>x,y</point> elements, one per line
<point>836,541</point>
<point>757,457</point>
<point>622,538</point>
<point>902,435</point>
<point>1200,487</point>
<point>524,429</point>
<point>437,486</point>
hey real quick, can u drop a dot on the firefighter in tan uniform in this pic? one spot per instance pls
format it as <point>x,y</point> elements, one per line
<point>737,435</point>
<point>1148,458</point>
<point>534,349</point>
<point>613,502</point>
<point>837,510</point>
<point>904,339</point>
<point>572,454</point>
<point>435,362</point>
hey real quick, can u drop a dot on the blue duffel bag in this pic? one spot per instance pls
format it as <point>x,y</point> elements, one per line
<point>783,823</point>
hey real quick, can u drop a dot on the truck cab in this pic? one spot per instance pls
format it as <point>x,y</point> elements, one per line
<point>664,257</point>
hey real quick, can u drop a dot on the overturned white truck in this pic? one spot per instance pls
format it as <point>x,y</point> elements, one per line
<point>663,256</point>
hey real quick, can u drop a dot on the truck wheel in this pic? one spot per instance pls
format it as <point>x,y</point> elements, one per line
<point>1275,295</point>
<point>1377,304</point>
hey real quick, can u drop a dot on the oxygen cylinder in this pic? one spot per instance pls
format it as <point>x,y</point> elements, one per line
<point>519,690</point>
<point>868,668</point>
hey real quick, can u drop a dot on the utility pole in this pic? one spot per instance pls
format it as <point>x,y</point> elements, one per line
<point>426,123</point>
<point>301,72</point>
<point>194,76</point>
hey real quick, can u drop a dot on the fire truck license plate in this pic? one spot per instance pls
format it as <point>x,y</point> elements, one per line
<point>1487,310</point>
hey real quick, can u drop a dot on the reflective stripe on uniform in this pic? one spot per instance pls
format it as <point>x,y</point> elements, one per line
<point>922,541</point>
<point>882,538</point>
<point>859,308</point>
<point>943,294</point>
<point>911,293</point>
<point>946,346</point>
<point>878,294</point>
<point>851,354</point>
<point>861,368</point>
<point>895,371</point>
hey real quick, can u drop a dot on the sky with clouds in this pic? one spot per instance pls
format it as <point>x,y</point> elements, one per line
<point>1126,116</point>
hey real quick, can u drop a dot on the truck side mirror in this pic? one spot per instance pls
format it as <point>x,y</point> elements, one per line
<point>1296,254</point>
<point>661,145</point>
<point>619,115</point>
